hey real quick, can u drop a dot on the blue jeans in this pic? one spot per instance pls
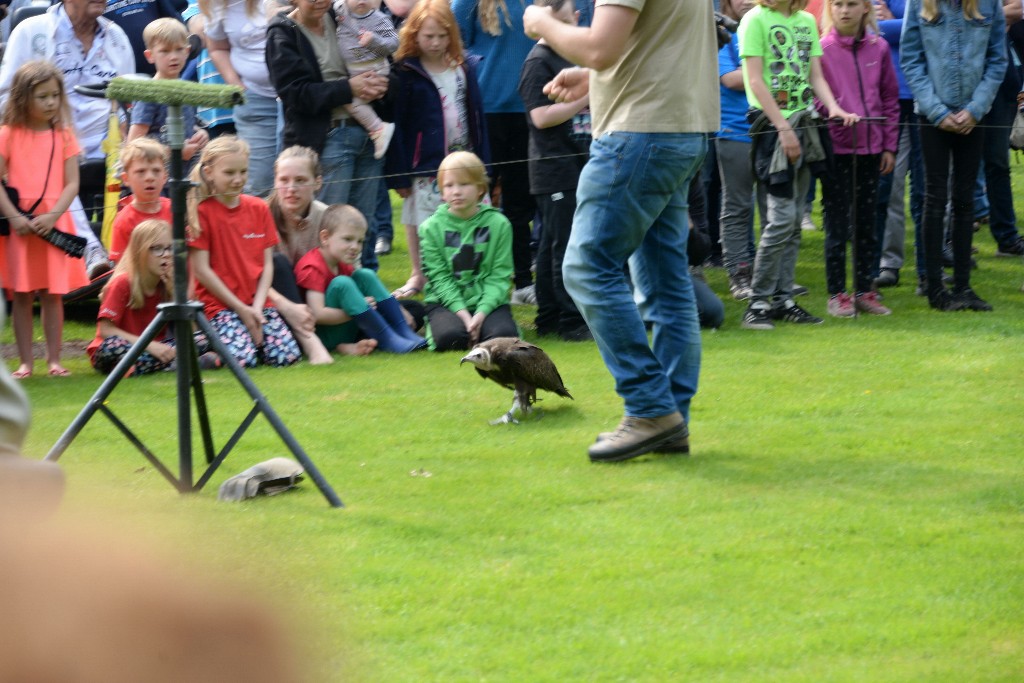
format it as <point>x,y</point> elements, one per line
<point>352,176</point>
<point>383,217</point>
<point>260,122</point>
<point>632,205</point>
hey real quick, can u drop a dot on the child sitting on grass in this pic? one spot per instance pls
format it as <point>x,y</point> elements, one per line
<point>346,300</point>
<point>144,164</point>
<point>128,304</point>
<point>467,258</point>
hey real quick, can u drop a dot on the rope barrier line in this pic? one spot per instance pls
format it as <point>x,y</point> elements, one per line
<point>868,123</point>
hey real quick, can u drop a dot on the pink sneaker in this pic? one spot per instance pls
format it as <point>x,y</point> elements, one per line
<point>841,305</point>
<point>868,303</point>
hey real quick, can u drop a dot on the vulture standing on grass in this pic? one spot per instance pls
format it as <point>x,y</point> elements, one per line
<point>516,365</point>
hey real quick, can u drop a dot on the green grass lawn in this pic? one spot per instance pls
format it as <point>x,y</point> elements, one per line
<point>852,509</point>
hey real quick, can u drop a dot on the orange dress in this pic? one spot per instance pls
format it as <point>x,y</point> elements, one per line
<point>28,262</point>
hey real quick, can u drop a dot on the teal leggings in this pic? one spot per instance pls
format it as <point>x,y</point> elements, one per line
<point>349,294</point>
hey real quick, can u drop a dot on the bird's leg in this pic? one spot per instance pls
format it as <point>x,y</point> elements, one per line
<point>510,416</point>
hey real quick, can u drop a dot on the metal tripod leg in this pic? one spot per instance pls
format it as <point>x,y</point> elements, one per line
<point>263,406</point>
<point>182,313</point>
<point>189,382</point>
<point>119,372</point>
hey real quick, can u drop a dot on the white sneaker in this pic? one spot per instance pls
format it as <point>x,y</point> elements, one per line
<point>96,262</point>
<point>381,140</point>
<point>383,246</point>
<point>525,296</point>
<point>807,223</point>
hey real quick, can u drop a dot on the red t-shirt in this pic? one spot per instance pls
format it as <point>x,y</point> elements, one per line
<point>236,239</point>
<point>115,308</point>
<point>313,274</point>
<point>126,220</point>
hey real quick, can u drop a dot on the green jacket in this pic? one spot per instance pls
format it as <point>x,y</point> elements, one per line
<point>468,263</point>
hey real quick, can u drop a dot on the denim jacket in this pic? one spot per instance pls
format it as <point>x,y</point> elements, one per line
<point>954,63</point>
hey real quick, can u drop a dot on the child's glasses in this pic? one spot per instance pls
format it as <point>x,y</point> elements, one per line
<point>160,249</point>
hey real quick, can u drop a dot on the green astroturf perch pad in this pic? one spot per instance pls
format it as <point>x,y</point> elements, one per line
<point>175,92</point>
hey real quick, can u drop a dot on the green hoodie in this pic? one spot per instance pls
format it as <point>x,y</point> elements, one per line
<point>468,263</point>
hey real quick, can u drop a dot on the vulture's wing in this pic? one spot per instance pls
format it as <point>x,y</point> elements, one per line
<point>530,364</point>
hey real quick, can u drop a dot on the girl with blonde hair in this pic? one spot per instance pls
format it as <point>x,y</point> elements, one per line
<point>953,55</point>
<point>231,251</point>
<point>141,281</point>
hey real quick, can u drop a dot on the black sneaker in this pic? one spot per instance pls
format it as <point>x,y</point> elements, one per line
<point>922,284</point>
<point>794,314</point>
<point>887,277</point>
<point>799,290</point>
<point>943,300</point>
<point>1015,248</point>
<point>970,301</point>
<point>757,319</point>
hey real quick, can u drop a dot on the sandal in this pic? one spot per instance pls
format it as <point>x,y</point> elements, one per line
<point>59,372</point>
<point>21,374</point>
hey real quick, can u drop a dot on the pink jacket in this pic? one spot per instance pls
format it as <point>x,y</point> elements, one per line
<point>863,81</point>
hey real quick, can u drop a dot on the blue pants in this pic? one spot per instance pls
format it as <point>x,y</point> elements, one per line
<point>352,176</point>
<point>260,122</point>
<point>632,205</point>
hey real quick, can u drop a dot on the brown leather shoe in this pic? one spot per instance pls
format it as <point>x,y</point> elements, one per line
<point>636,436</point>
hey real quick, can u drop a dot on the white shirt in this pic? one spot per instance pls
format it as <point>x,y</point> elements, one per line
<point>50,36</point>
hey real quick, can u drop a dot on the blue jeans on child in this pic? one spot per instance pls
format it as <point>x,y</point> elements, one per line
<point>632,197</point>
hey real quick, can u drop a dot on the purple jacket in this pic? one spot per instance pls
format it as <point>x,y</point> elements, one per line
<point>862,78</point>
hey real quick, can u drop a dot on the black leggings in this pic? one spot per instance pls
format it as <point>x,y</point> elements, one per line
<point>508,137</point>
<point>936,148</point>
<point>838,197</point>
<point>449,333</point>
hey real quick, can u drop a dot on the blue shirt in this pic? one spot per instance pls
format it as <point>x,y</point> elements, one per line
<point>503,55</point>
<point>734,102</point>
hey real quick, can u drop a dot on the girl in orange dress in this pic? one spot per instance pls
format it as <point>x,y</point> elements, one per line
<point>38,157</point>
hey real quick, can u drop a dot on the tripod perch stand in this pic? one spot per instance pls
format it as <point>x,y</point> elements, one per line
<point>182,314</point>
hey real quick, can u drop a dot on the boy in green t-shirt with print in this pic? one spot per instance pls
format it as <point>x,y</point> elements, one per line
<point>782,75</point>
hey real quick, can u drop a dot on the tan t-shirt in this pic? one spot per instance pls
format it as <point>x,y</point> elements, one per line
<point>667,79</point>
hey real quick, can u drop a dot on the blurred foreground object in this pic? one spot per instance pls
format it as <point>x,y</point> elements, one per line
<point>80,607</point>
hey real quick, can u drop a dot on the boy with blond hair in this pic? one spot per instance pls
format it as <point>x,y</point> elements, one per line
<point>167,49</point>
<point>467,257</point>
<point>144,172</point>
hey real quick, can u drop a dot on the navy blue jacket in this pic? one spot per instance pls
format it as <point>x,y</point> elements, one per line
<point>418,146</point>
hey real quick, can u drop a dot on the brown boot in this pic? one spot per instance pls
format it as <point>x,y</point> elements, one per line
<point>636,436</point>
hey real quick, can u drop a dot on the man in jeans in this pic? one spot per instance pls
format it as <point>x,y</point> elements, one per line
<point>650,137</point>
